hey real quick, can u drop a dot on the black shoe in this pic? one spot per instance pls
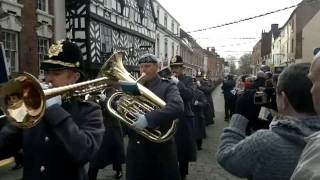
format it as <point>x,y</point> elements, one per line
<point>16,167</point>
<point>199,148</point>
<point>184,177</point>
<point>118,175</point>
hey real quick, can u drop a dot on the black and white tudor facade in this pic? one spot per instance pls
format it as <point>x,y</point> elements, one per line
<point>102,27</point>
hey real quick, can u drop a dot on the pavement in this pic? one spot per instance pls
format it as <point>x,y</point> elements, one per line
<point>205,168</point>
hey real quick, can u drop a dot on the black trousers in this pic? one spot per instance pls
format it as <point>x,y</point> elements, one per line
<point>184,169</point>
<point>229,107</point>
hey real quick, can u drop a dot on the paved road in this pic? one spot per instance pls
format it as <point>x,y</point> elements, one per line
<point>205,168</point>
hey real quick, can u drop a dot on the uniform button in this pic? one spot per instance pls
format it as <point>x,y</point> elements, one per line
<point>42,168</point>
<point>138,142</point>
<point>46,139</point>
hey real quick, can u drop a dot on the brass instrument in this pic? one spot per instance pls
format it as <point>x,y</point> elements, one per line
<point>23,101</point>
<point>130,104</point>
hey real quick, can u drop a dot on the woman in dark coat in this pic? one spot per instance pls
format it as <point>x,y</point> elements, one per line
<point>198,103</point>
<point>112,147</point>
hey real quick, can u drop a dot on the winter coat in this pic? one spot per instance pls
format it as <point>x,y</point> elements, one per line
<point>267,154</point>
<point>66,139</point>
<point>148,160</point>
<point>207,88</point>
<point>199,117</point>
<point>184,136</point>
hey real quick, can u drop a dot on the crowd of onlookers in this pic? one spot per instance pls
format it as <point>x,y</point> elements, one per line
<point>274,127</point>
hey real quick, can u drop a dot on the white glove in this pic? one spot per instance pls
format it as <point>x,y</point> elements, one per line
<point>54,100</point>
<point>174,79</point>
<point>141,121</point>
<point>196,102</point>
<point>198,83</point>
<point>44,86</point>
<point>102,97</point>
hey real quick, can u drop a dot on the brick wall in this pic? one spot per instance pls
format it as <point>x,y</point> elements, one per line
<point>28,42</point>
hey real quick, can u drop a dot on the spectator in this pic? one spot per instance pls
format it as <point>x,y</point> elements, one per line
<point>308,166</point>
<point>273,153</point>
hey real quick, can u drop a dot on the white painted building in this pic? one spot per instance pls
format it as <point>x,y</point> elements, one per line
<point>282,46</point>
<point>310,38</point>
<point>167,34</point>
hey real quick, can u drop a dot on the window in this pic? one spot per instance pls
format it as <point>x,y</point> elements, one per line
<point>172,25</point>
<point>10,43</point>
<point>43,46</point>
<point>172,49</point>
<point>158,12</point>
<point>165,20</point>
<point>106,40</point>
<point>166,49</point>
<point>116,6</point>
<point>108,4</point>
<point>292,43</point>
<point>158,45</point>
<point>42,5</point>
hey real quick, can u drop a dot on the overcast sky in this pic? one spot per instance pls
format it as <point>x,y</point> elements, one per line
<point>232,39</point>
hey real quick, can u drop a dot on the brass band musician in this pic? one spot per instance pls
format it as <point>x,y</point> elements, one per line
<point>145,159</point>
<point>70,132</point>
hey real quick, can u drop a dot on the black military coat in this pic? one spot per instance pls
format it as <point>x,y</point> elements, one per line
<point>184,136</point>
<point>157,161</point>
<point>60,145</point>
<point>207,88</point>
<point>199,116</point>
<point>112,148</point>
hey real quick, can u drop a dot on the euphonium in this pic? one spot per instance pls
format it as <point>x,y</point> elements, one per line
<point>130,104</point>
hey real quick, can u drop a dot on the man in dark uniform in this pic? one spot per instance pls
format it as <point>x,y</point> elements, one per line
<point>229,97</point>
<point>184,137</point>
<point>112,148</point>
<point>70,131</point>
<point>199,103</point>
<point>207,87</point>
<point>145,159</point>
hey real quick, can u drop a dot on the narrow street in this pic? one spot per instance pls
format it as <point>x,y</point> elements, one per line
<point>205,168</point>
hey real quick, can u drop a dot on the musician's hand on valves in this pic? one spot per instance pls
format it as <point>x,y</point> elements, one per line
<point>141,121</point>
<point>102,97</point>
<point>198,83</point>
<point>174,79</point>
<point>44,86</point>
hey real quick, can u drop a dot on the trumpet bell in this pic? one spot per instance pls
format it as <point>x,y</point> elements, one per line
<point>22,101</point>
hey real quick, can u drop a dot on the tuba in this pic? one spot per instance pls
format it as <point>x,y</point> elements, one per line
<point>145,102</point>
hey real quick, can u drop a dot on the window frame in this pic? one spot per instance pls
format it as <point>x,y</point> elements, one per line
<point>44,5</point>
<point>106,38</point>
<point>13,67</point>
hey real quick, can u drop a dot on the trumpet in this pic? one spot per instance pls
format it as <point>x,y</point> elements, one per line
<point>23,101</point>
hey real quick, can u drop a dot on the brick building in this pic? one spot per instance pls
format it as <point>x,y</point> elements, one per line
<point>26,33</point>
<point>214,65</point>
